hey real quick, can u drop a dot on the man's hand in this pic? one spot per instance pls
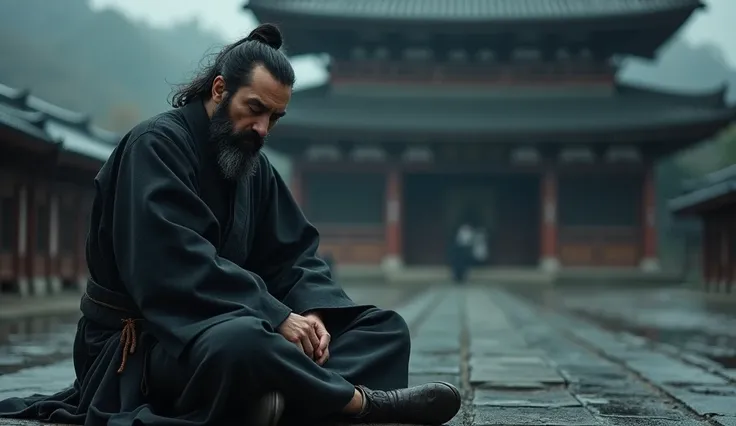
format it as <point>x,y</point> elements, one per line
<point>301,331</point>
<point>322,351</point>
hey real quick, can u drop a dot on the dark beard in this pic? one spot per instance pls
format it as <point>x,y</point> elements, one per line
<point>237,152</point>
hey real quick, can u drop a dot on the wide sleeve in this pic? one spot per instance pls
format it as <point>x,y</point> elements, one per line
<point>286,255</point>
<point>166,263</point>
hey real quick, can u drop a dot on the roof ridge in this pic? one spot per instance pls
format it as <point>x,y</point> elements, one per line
<point>471,9</point>
<point>23,111</point>
<point>715,97</point>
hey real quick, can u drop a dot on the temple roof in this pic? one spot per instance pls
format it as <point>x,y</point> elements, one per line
<point>706,193</point>
<point>44,121</point>
<point>503,115</point>
<point>471,10</point>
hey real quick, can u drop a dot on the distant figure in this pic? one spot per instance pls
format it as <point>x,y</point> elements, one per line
<point>206,303</point>
<point>480,246</point>
<point>461,252</point>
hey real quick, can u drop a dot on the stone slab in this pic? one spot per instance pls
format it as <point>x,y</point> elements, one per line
<point>490,375</point>
<point>512,361</point>
<point>663,371</point>
<point>730,373</point>
<point>610,389</point>
<point>707,400</point>
<point>597,373</point>
<point>650,421</point>
<point>725,421</point>
<point>546,398</point>
<point>423,363</point>
<point>523,416</point>
<point>435,346</point>
<point>632,407</point>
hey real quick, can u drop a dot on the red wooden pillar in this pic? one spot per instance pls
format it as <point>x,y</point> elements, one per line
<point>21,239</point>
<point>548,238</point>
<point>393,257</point>
<point>723,254</point>
<point>38,250</point>
<point>730,244</point>
<point>707,252</point>
<point>82,229</point>
<point>296,184</point>
<point>54,267</point>
<point>649,260</point>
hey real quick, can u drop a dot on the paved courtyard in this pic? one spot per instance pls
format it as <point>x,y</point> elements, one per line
<point>519,365</point>
<point>687,319</point>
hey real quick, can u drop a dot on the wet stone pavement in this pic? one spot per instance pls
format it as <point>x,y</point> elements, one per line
<point>517,364</point>
<point>686,319</point>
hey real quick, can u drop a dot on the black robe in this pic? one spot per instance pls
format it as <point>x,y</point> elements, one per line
<point>178,251</point>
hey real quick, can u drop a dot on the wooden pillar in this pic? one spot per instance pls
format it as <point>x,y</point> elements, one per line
<point>22,254</point>
<point>8,228</point>
<point>82,229</point>
<point>649,260</point>
<point>296,184</point>
<point>393,258</point>
<point>548,239</point>
<point>723,253</point>
<point>731,262</point>
<point>54,273</point>
<point>38,260</point>
<point>707,252</point>
<point>717,258</point>
<point>731,244</point>
<point>704,253</point>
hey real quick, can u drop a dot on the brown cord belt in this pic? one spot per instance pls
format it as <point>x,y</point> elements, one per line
<point>128,335</point>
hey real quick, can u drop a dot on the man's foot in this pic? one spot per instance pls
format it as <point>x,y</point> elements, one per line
<point>267,411</point>
<point>430,404</point>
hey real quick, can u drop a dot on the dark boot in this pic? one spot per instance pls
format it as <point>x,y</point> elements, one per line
<point>430,404</point>
<point>267,411</point>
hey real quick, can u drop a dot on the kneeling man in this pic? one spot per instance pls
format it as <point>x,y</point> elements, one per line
<point>206,302</point>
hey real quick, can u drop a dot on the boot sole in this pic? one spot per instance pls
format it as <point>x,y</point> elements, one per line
<point>448,411</point>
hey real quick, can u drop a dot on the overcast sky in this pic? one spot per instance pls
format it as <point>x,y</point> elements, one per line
<point>227,18</point>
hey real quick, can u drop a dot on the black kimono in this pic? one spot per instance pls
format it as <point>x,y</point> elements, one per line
<point>190,275</point>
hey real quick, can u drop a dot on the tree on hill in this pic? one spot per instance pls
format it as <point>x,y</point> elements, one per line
<point>95,61</point>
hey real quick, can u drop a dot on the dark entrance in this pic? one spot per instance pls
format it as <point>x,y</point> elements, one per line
<point>507,206</point>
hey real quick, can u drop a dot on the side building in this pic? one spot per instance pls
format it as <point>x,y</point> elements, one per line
<point>508,114</point>
<point>712,200</point>
<point>49,157</point>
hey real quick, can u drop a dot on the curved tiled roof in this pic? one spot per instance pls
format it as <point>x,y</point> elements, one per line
<point>471,10</point>
<point>396,110</point>
<point>698,193</point>
<point>51,123</point>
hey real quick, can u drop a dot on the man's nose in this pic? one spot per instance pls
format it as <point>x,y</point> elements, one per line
<point>261,126</point>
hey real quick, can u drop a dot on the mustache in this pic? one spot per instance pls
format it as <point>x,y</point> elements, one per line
<point>250,136</point>
<point>247,141</point>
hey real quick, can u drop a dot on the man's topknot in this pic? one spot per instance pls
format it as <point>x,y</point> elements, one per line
<point>267,34</point>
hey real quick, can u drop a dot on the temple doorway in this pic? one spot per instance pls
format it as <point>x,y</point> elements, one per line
<point>505,206</point>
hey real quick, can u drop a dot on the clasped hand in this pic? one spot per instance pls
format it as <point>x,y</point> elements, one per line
<point>309,334</point>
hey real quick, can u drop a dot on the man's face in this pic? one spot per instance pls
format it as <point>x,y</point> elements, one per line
<point>242,120</point>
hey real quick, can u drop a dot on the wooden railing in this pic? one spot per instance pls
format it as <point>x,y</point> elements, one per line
<point>353,244</point>
<point>599,246</point>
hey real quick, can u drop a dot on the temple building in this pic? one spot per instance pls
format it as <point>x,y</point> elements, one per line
<point>507,114</point>
<point>49,157</point>
<point>712,200</point>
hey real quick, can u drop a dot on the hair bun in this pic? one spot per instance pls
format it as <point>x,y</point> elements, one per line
<point>267,34</point>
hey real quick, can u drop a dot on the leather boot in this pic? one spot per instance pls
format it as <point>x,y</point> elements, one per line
<point>429,404</point>
<point>267,410</point>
